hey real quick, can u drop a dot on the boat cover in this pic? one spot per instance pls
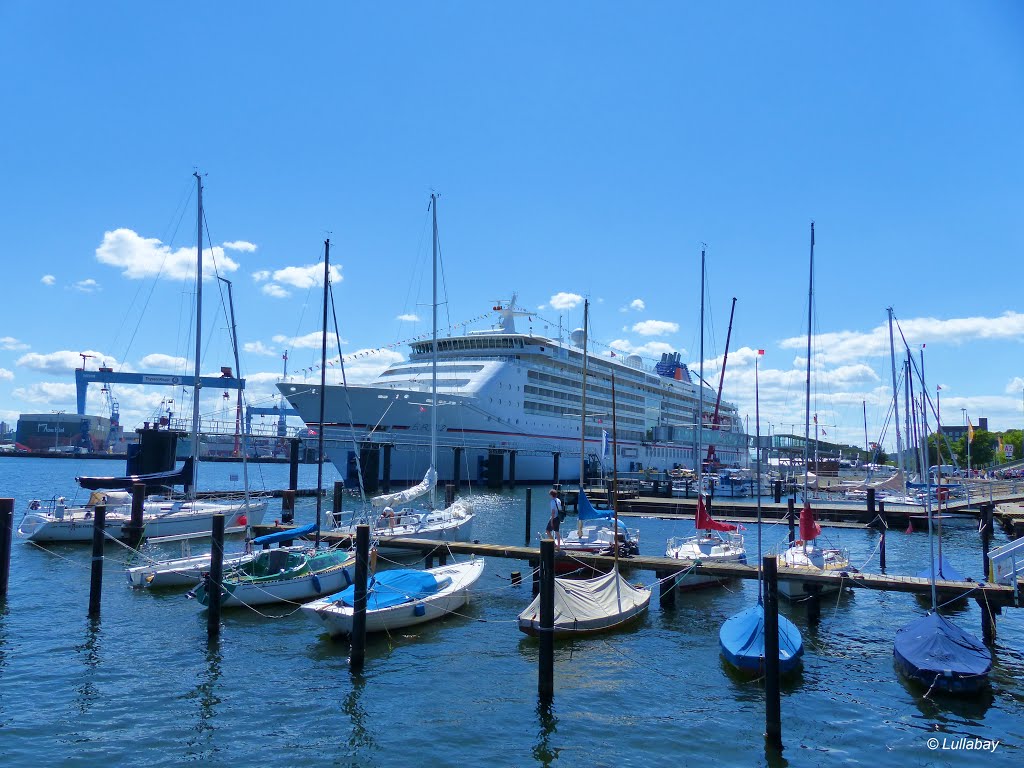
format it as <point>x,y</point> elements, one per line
<point>291,533</point>
<point>704,522</point>
<point>404,497</point>
<point>934,646</point>
<point>945,572</point>
<point>809,528</point>
<point>181,476</point>
<point>587,605</point>
<point>393,587</point>
<point>742,640</point>
<point>586,509</point>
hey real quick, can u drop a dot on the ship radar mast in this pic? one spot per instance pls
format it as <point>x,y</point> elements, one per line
<point>508,311</point>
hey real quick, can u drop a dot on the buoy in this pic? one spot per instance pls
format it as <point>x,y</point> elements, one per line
<point>242,520</point>
<point>420,609</point>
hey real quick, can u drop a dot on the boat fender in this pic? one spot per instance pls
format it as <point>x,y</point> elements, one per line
<point>242,520</point>
<point>316,584</point>
<point>420,609</point>
<point>798,543</point>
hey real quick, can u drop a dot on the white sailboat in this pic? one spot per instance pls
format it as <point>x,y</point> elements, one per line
<point>607,602</point>
<point>804,553</point>
<point>161,517</point>
<point>391,518</point>
<point>714,542</point>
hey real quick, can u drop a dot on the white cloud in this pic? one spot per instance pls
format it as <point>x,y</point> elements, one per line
<point>63,361</point>
<point>47,393</point>
<point>240,245</point>
<point>139,257</point>
<point>87,286</point>
<point>48,280</point>
<point>261,275</point>
<point>408,318</point>
<point>361,367</point>
<point>1014,387</point>
<point>652,350</point>
<point>305,277</point>
<point>309,341</point>
<point>563,300</point>
<point>276,291</point>
<point>165,362</point>
<point>12,344</point>
<point>5,374</point>
<point>637,305</point>
<point>655,327</point>
<point>258,348</point>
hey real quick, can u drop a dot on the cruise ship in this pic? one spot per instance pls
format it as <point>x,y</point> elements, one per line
<point>510,410</point>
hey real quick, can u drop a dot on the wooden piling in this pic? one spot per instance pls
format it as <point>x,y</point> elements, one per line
<point>457,468</point>
<point>449,494</point>
<point>337,503</point>
<point>287,506</point>
<point>6,536</point>
<point>546,662</point>
<point>871,503</point>
<point>293,464</point>
<point>215,578</point>
<point>772,689</point>
<point>988,619</point>
<point>778,491</point>
<point>386,480</point>
<point>813,603</point>
<point>99,520</point>
<point>791,516</point>
<point>134,530</point>
<point>511,469</point>
<point>555,458</point>
<point>881,551</point>
<point>666,589</point>
<point>529,512</point>
<point>358,653</point>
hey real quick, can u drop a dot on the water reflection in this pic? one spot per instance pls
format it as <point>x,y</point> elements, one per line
<point>206,693</point>
<point>543,751</point>
<point>87,692</point>
<point>360,740</point>
<point>3,659</point>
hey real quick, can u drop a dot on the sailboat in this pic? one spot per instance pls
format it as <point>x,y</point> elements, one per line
<point>933,650</point>
<point>584,606</point>
<point>161,516</point>
<point>595,532</point>
<point>290,574</point>
<point>804,553</point>
<point>708,545</point>
<point>454,523</point>
<point>742,635</point>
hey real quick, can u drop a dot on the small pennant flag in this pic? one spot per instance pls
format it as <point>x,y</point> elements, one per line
<point>760,351</point>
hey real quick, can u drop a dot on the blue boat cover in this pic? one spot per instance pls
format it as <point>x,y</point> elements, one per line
<point>291,533</point>
<point>587,511</point>
<point>933,647</point>
<point>945,571</point>
<point>742,640</point>
<point>394,587</point>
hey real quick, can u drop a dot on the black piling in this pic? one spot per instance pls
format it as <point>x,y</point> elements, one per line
<point>511,469</point>
<point>287,506</point>
<point>813,603</point>
<point>778,491</point>
<point>772,690</point>
<point>666,589</point>
<point>99,520</point>
<point>134,529</point>
<point>457,468</point>
<point>293,464</point>
<point>529,512</point>
<point>555,476</point>
<point>517,578</point>
<point>337,503</point>
<point>791,516</point>
<point>988,619</point>
<point>449,494</point>
<point>6,535</point>
<point>358,654</point>
<point>871,503</point>
<point>215,578</point>
<point>881,549</point>
<point>546,668</point>
<point>386,480</point>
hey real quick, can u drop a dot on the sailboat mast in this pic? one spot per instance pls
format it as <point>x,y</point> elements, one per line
<point>896,401</point>
<point>433,359</point>
<point>615,481</point>
<point>698,463</point>
<point>583,396</point>
<point>757,431</point>
<point>323,394</point>
<point>199,334</point>
<point>807,398</point>
<point>922,457</point>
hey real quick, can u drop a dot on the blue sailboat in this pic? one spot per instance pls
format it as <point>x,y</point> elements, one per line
<point>742,635</point>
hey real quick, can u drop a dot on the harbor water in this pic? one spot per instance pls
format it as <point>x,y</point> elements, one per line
<point>142,685</point>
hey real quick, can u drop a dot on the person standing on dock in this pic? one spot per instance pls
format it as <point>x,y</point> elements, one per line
<point>556,518</point>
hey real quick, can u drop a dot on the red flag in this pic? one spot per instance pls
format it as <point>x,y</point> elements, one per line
<point>809,529</point>
<point>760,351</point>
<point>703,520</point>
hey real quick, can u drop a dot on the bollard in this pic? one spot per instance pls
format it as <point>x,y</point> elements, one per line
<point>134,530</point>
<point>96,576</point>
<point>358,655</point>
<point>790,502</point>
<point>215,578</point>
<point>6,535</point>
<point>772,690</point>
<point>338,502</point>
<point>288,506</point>
<point>517,578</point>
<point>546,669</point>
<point>529,511</point>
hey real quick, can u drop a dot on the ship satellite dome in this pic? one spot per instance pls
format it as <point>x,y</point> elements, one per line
<point>634,361</point>
<point>577,337</point>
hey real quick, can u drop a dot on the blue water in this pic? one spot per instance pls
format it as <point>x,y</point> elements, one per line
<point>142,686</point>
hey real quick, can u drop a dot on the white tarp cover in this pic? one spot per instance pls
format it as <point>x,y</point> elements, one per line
<point>404,497</point>
<point>894,483</point>
<point>589,605</point>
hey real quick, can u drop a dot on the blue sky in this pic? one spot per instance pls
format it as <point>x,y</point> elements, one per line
<point>580,149</point>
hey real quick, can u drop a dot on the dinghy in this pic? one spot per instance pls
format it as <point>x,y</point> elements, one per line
<point>586,606</point>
